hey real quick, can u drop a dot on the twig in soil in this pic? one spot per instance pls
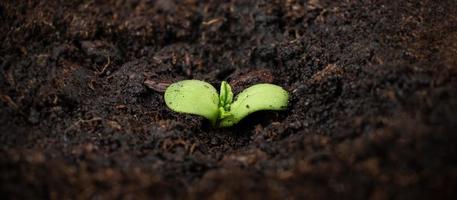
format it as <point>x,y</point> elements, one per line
<point>104,67</point>
<point>156,86</point>
<point>192,148</point>
<point>121,106</point>
<point>169,144</point>
<point>212,21</point>
<point>81,121</point>
<point>9,102</point>
<point>48,24</point>
<point>91,85</point>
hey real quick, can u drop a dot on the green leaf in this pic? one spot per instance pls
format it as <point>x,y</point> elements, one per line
<point>193,97</point>
<point>256,98</point>
<point>226,95</point>
<point>223,113</point>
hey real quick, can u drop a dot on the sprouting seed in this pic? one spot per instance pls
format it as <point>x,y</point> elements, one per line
<point>221,110</point>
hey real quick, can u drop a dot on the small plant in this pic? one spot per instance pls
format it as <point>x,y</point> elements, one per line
<point>200,98</point>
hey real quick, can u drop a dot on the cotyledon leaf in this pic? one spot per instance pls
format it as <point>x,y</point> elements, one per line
<point>256,98</point>
<point>193,97</point>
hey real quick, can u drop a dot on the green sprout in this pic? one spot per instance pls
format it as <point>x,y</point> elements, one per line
<point>200,98</point>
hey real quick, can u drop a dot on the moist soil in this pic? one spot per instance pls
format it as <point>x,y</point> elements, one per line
<point>372,114</point>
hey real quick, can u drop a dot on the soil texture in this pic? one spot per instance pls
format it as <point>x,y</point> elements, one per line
<point>372,114</point>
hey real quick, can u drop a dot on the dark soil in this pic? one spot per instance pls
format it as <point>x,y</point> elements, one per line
<point>373,113</point>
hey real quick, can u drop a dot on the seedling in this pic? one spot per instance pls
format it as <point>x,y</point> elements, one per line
<point>200,98</point>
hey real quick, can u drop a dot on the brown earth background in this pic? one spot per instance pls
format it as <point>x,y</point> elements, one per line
<point>373,113</point>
